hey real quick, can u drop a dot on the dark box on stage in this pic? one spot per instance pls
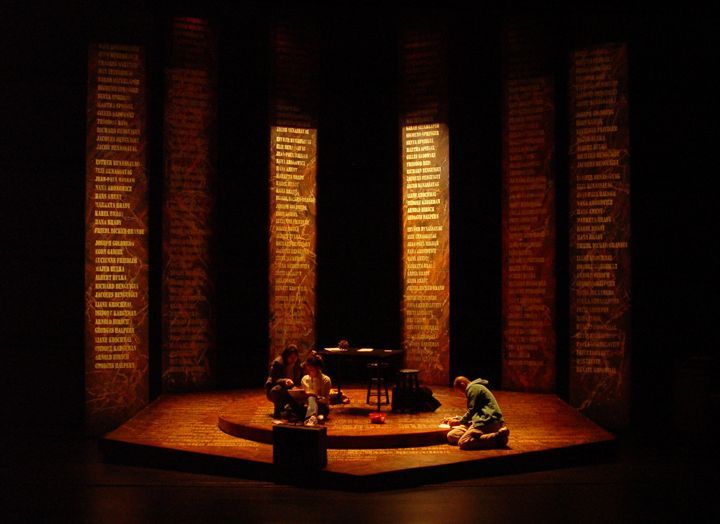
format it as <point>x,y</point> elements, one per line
<point>300,446</point>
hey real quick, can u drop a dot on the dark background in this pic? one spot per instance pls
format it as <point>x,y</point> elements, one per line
<point>674,134</point>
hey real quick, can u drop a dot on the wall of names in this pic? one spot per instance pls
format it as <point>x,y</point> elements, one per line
<point>528,269</point>
<point>600,234</point>
<point>116,251</point>
<point>189,147</point>
<point>425,204</point>
<point>293,174</point>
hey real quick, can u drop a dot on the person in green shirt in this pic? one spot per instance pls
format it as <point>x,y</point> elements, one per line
<point>482,426</point>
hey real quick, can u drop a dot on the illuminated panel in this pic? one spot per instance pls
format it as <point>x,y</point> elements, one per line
<point>293,171</point>
<point>116,251</point>
<point>190,119</point>
<point>528,269</point>
<point>425,205</point>
<point>600,235</point>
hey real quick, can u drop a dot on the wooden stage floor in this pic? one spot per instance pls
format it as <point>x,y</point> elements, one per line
<point>182,431</point>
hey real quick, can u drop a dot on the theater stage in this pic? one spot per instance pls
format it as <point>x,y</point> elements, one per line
<point>230,432</point>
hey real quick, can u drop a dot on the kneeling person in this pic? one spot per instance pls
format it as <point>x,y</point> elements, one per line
<point>317,386</point>
<point>482,425</point>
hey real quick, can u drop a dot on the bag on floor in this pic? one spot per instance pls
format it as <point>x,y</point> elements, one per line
<point>426,401</point>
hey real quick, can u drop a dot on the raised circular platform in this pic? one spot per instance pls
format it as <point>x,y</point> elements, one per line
<point>348,427</point>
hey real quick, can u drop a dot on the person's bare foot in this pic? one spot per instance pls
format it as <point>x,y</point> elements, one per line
<point>501,437</point>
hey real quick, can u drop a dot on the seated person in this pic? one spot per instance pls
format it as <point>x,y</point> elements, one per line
<point>285,373</point>
<point>317,387</point>
<point>482,425</point>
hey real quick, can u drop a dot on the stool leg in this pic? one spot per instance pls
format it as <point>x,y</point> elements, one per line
<point>379,374</point>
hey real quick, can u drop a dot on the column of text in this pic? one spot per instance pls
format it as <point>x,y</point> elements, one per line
<point>425,190</point>
<point>116,237</point>
<point>528,212</point>
<point>600,234</point>
<point>293,173</point>
<point>190,115</point>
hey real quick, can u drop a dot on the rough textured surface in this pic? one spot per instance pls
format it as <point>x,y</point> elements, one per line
<point>600,291</point>
<point>189,140</point>
<point>293,180</point>
<point>188,423</point>
<point>425,203</point>
<point>116,245</point>
<point>528,227</point>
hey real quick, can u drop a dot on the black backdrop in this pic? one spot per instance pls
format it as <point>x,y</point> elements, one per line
<point>674,131</point>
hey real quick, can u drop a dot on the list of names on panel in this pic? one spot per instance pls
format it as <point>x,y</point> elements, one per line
<point>116,236</point>
<point>600,226</point>
<point>425,177</point>
<point>119,235</point>
<point>293,235</point>
<point>293,173</point>
<point>189,171</point>
<point>528,214</point>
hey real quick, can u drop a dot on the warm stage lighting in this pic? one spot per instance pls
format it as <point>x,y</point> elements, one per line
<point>425,204</point>
<point>293,171</point>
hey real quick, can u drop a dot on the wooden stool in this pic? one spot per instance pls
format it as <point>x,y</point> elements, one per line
<point>377,382</point>
<point>408,380</point>
<point>406,391</point>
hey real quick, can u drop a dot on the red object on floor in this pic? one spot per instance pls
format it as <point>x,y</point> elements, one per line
<point>377,417</point>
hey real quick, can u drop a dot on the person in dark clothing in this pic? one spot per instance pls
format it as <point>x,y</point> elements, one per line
<point>482,426</point>
<point>285,373</point>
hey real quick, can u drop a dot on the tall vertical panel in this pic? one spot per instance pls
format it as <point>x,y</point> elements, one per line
<point>600,234</point>
<point>116,251</point>
<point>189,136</point>
<point>425,203</point>
<point>528,219</point>
<point>293,172</point>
